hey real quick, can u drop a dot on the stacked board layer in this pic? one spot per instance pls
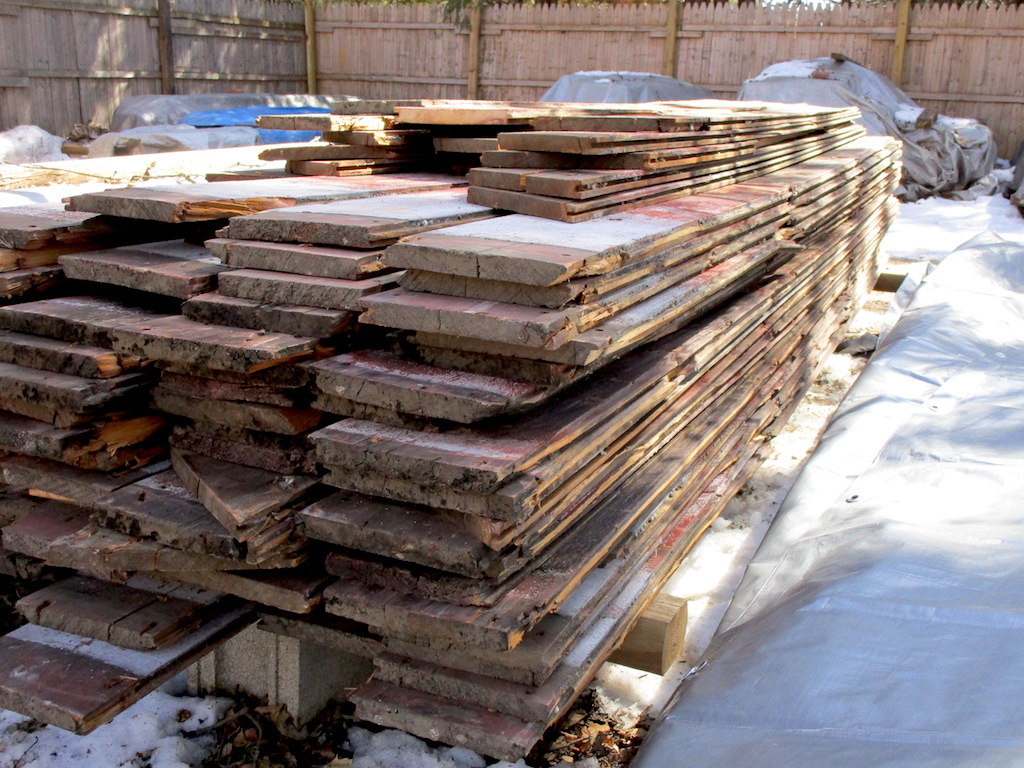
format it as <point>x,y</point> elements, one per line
<point>471,444</point>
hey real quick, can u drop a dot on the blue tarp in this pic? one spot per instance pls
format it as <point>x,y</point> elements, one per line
<point>218,118</point>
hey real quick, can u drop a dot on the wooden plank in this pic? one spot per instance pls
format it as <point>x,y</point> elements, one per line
<point>175,339</point>
<point>338,151</point>
<point>352,167</point>
<point>307,322</point>
<point>219,200</point>
<point>104,446</point>
<point>44,224</point>
<point>174,268</point>
<point>361,223</point>
<point>319,122</point>
<point>409,138</point>
<point>62,535</point>
<point>23,283</point>
<point>297,258</point>
<point>50,479</point>
<point>245,500</point>
<point>274,453</point>
<point>142,615</point>
<point>295,590</point>
<point>87,320</point>
<point>163,509</point>
<point>59,357</point>
<point>279,288</point>
<point>56,678</point>
<point>239,415</point>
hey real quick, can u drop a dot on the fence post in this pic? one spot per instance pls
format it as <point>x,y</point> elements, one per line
<point>670,58</point>
<point>476,20</point>
<point>899,54</point>
<point>312,75</point>
<point>165,44</point>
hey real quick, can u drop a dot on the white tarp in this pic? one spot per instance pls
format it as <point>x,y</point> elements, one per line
<point>622,88</point>
<point>881,623</point>
<point>941,155</point>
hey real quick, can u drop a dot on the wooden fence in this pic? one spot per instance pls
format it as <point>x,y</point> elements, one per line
<point>70,61</point>
<point>957,59</point>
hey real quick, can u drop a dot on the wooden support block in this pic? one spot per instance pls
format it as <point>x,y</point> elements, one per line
<point>656,641</point>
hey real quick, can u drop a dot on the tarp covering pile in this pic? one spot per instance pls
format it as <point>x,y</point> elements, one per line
<point>622,87</point>
<point>941,154</point>
<point>880,622</point>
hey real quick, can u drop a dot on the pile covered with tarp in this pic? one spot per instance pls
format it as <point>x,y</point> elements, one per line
<point>941,154</point>
<point>623,88</point>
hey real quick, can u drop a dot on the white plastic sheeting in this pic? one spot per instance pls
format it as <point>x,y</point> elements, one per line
<point>172,138</point>
<point>947,156</point>
<point>882,621</point>
<point>30,144</point>
<point>622,87</point>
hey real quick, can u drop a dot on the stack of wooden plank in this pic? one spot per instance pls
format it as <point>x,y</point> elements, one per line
<point>575,175</point>
<point>459,544</point>
<point>351,145</point>
<point>34,237</point>
<point>483,478</point>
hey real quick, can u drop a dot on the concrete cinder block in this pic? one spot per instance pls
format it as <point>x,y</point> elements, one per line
<point>301,675</point>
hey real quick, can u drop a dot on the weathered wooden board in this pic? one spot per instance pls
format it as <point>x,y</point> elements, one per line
<point>57,679</point>
<point>352,167</point>
<point>40,225</point>
<point>104,446</point>
<point>407,138</point>
<point>63,536</point>
<point>142,614</point>
<point>366,224</point>
<point>30,282</point>
<point>88,320</point>
<point>274,453</point>
<point>50,479</point>
<point>224,199</point>
<point>378,378</point>
<point>337,151</point>
<point>60,357</point>
<point>297,258</point>
<point>239,415</point>
<point>162,508</point>
<point>307,322</point>
<point>280,288</point>
<point>175,339</point>
<point>296,590</point>
<point>245,500</point>
<point>317,122</point>
<point>472,145</point>
<point>242,391</point>
<point>532,251</point>
<point>174,268</point>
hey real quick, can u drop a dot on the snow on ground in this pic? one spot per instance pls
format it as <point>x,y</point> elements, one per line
<point>929,230</point>
<point>150,734</point>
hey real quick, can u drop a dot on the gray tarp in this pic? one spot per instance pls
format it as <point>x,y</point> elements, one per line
<point>881,622</point>
<point>944,155</point>
<point>622,87</point>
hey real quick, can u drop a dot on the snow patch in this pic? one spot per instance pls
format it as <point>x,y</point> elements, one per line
<point>30,144</point>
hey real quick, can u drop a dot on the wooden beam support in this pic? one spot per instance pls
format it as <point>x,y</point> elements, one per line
<point>670,58</point>
<point>899,54</point>
<point>656,640</point>
<point>312,71</point>
<point>165,42</point>
<point>476,14</point>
